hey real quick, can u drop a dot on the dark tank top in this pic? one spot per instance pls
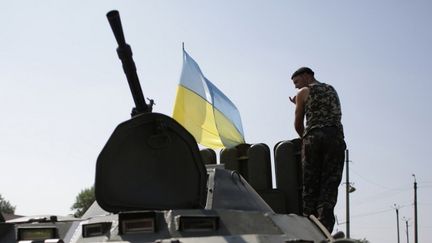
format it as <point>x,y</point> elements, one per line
<point>322,108</point>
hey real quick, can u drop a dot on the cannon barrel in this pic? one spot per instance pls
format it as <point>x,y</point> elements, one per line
<point>124,52</point>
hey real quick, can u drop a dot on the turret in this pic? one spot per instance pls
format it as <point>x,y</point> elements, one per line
<point>150,161</point>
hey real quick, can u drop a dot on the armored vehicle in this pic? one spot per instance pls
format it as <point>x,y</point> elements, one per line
<point>153,184</point>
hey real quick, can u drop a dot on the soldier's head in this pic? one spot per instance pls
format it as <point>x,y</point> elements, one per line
<point>303,77</point>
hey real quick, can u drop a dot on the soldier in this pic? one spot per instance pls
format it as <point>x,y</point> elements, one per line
<point>323,144</point>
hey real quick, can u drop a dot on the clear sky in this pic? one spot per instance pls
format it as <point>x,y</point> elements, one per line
<point>63,91</point>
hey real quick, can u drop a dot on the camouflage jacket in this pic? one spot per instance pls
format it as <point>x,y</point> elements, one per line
<point>322,108</point>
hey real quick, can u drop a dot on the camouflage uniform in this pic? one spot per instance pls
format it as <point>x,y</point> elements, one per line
<point>322,153</point>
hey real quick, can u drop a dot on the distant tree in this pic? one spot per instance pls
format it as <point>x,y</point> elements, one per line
<point>364,241</point>
<point>5,206</point>
<point>83,201</point>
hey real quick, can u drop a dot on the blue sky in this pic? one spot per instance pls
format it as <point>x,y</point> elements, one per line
<point>62,89</point>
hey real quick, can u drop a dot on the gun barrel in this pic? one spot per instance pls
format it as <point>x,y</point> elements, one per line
<point>116,26</point>
<point>124,52</point>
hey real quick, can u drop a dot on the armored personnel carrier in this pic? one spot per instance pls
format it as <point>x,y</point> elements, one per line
<point>153,184</point>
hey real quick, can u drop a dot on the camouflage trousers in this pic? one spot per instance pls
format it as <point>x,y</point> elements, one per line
<point>322,162</point>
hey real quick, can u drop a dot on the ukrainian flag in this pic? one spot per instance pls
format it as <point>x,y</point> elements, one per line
<point>204,110</point>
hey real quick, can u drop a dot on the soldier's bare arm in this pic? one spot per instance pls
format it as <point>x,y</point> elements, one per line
<point>300,101</point>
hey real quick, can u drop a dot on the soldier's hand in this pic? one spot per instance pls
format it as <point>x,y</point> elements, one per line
<point>293,99</point>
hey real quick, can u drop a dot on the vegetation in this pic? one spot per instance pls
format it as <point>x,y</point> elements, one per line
<point>5,206</point>
<point>364,241</point>
<point>83,201</point>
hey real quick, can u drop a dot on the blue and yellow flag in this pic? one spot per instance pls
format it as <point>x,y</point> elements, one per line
<point>204,110</point>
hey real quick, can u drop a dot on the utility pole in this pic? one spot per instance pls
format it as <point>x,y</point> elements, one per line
<point>347,195</point>
<point>415,211</point>
<point>397,221</point>
<point>406,223</point>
